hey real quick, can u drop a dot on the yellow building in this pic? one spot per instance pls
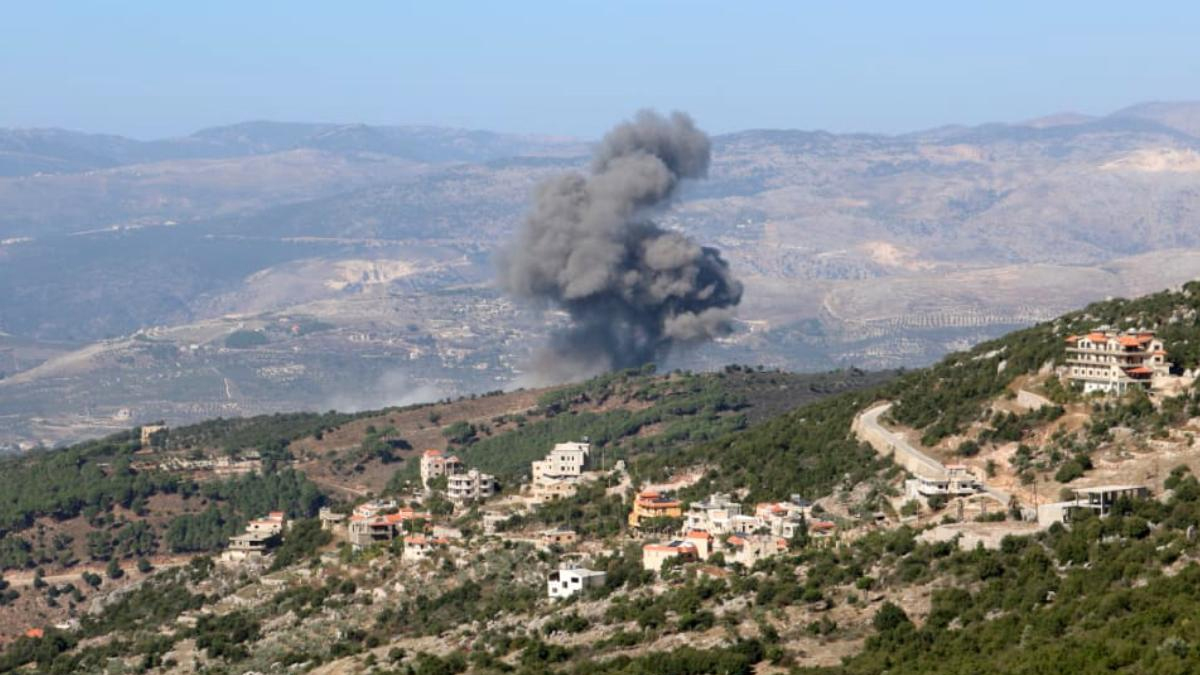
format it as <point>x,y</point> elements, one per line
<point>651,504</point>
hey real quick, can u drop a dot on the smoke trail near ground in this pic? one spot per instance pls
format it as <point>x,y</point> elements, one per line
<point>633,290</point>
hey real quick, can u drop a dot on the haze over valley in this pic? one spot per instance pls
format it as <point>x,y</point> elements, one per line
<point>273,266</point>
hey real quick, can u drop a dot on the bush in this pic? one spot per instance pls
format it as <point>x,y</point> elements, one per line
<point>889,617</point>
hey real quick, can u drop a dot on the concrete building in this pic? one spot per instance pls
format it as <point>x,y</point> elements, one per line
<point>559,474</point>
<point>565,461</point>
<point>269,526</point>
<point>374,507</point>
<point>363,531</point>
<point>560,537</point>
<point>1098,500</point>
<point>419,547</point>
<point>749,549</point>
<point>549,490</point>
<point>492,521</point>
<point>651,504</point>
<point>565,583</point>
<point>783,519</point>
<point>703,541</point>
<point>253,545</point>
<point>654,556</point>
<point>712,515</point>
<point>956,481</point>
<point>470,485</point>
<point>331,520</point>
<point>154,435</point>
<point>435,463</point>
<point>1109,361</point>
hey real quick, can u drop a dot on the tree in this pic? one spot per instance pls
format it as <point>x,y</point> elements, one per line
<point>113,569</point>
<point>889,617</point>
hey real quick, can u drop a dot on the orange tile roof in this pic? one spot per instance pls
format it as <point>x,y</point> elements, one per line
<point>1129,341</point>
<point>35,633</point>
<point>698,534</point>
<point>736,541</point>
<point>1072,338</point>
<point>1097,337</point>
<point>422,541</point>
<point>1139,370</point>
<point>433,453</point>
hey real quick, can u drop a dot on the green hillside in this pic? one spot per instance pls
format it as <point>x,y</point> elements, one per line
<point>1113,594</point>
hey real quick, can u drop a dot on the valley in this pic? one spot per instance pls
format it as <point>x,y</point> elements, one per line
<point>856,250</point>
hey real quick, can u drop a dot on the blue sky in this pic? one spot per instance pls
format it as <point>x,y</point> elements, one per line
<point>151,69</point>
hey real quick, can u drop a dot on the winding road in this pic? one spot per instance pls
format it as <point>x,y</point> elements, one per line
<point>889,443</point>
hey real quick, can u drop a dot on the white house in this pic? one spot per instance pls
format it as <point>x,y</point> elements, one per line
<point>572,581</point>
<point>471,485</point>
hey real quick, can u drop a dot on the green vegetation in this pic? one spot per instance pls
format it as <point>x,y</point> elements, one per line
<point>238,500</point>
<point>246,339</point>
<point>808,451</point>
<point>942,399</point>
<point>88,478</point>
<point>304,538</point>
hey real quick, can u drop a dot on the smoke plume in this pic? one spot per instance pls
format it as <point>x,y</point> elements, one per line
<point>633,290</point>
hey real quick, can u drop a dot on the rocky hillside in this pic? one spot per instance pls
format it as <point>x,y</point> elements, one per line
<point>878,578</point>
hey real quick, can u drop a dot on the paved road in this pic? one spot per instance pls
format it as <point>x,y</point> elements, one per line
<point>896,443</point>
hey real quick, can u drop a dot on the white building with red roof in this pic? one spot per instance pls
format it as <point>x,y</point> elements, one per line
<point>1109,361</point>
<point>435,463</point>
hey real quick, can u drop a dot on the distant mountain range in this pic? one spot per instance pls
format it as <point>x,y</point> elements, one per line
<point>856,249</point>
<point>25,152</point>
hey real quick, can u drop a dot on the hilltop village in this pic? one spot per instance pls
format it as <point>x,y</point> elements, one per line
<point>718,528</point>
<point>810,538</point>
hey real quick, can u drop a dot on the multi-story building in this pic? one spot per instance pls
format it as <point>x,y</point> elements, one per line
<point>470,485</point>
<point>651,504</point>
<point>956,481</point>
<point>435,463</point>
<point>713,514</point>
<point>1110,361</point>
<point>703,541</point>
<point>253,545</point>
<point>566,460</point>
<point>1098,500</point>
<point>363,531</point>
<point>559,474</point>
<point>782,519</point>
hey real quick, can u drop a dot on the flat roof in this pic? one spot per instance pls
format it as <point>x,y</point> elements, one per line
<point>1110,488</point>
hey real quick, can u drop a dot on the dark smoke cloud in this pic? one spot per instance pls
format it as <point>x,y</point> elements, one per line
<point>633,290</point>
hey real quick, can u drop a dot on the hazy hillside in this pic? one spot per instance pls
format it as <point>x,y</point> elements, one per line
<point>845,243</point>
